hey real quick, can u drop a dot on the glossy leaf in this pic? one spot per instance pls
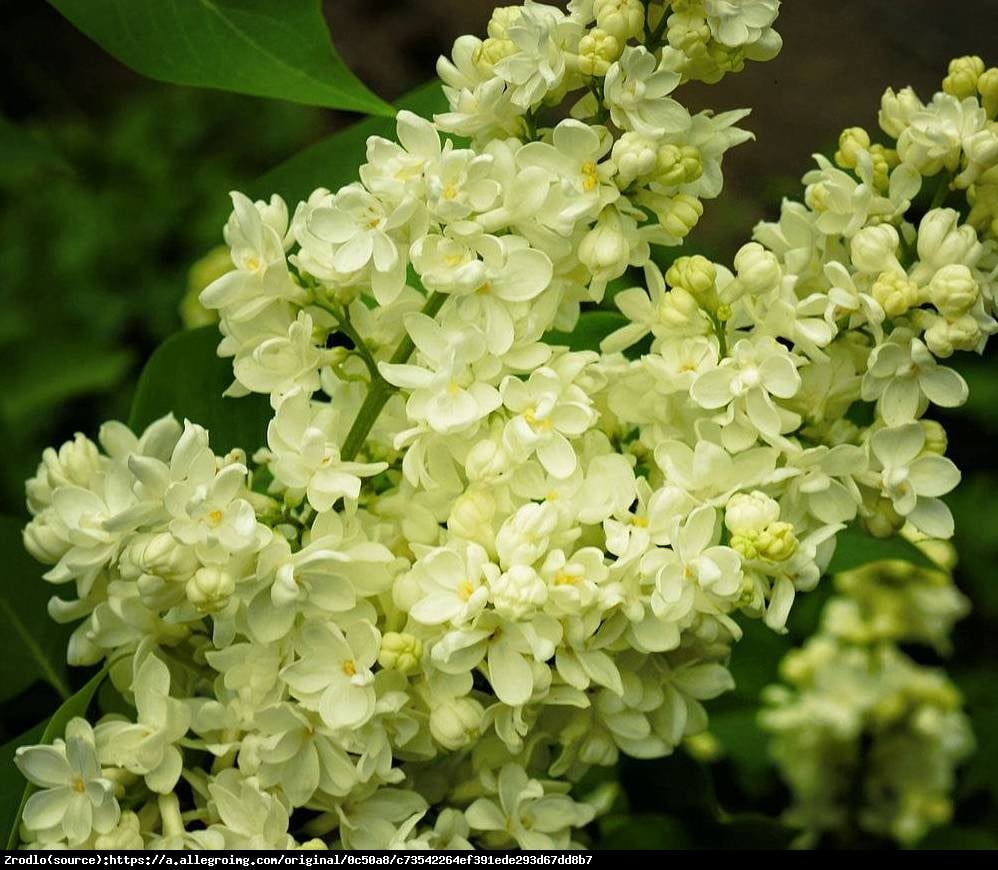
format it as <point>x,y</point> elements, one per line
<point>855,548</point>
<point>75,706</point>
<point>258,47</point>
<point>12,780</point>
<point>333,161</point>
<point>186,377</point>
<point>34,645</point>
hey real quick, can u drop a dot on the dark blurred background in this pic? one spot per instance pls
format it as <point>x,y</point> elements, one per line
<point>124,188</point>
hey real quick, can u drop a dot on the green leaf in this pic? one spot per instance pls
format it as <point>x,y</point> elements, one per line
<point>34,645</point>
<point>75,706</point>
<point>12,780</point>
<point>333,162</point>
<point>187,378</point>
<point>264,48</point>
<point>855,548</point>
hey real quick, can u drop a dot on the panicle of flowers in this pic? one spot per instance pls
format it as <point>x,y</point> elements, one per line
<point>867,738</point>
<point>470,562</point>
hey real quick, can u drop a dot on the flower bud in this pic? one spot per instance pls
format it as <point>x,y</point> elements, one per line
<point>695,274</point>
<point>884,160</point>
<point>964,73</point>
<point>981,153</point>
<point>679,308</point>
<point>597,747</point>
<point>622,19</point>
<point>43,541</point>
<point>125,835</point>
<point>987,86</point>
<point>487,460</point>
<point>777,542</point>
<point>400,652</point>
<point>852,142</point>
<point>164,556</point>
<point>675,165</point>
<point>471,515</point>
<point>896,110</point>
<point>456,722</point>
<point>879,518</point>
<point>491,51</point>
<point>606,250</point>
<point>935,437</point>
<point>750,512</point>
<point>943,240</point>
<point>210,588</point>
<point>953,290</point>
<point>758,269</point>
<point>689,32</point>
<point>518,591</point>
<point>634,155</point>
<point>75,463</point>
<point>597,50</point>
<point>874,249</point>
<point>895,293</point>
<point>503,17</point>
<point>944,336</point>
<point>680,214</point>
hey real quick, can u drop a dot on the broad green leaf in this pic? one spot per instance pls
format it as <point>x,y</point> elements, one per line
<point>333,162</point>
<point>75,706</point>
<point>12,780</point>
<point>34,645</point>
<point>186,377</point>
<point>855,548</point>
<point>264,48</point>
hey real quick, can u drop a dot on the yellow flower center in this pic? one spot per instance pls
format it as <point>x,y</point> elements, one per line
<point>349,668</point>
<point>589,177</point>
<point>530,415</point>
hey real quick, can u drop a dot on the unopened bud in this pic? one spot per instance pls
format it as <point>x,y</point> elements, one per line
<point>895,293</point>
<point>953,290</point>
<point>210,588</point>
<point>400,652</point>
<point>456,723</point>
<point>964,73</point>
<point>597,50</point>
<point>852,142</point>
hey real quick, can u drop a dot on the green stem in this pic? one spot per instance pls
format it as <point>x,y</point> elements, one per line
<point>359,344</point>
<point>722,338</point>
<point>381,390</point>
<point>653,38</point>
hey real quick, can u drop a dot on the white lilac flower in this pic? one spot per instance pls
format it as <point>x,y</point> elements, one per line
<point>914,480</point>
<point>636,90</point>
<point>75,798</point>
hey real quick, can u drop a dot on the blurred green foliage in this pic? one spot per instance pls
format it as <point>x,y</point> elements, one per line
<point>103,217</point>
